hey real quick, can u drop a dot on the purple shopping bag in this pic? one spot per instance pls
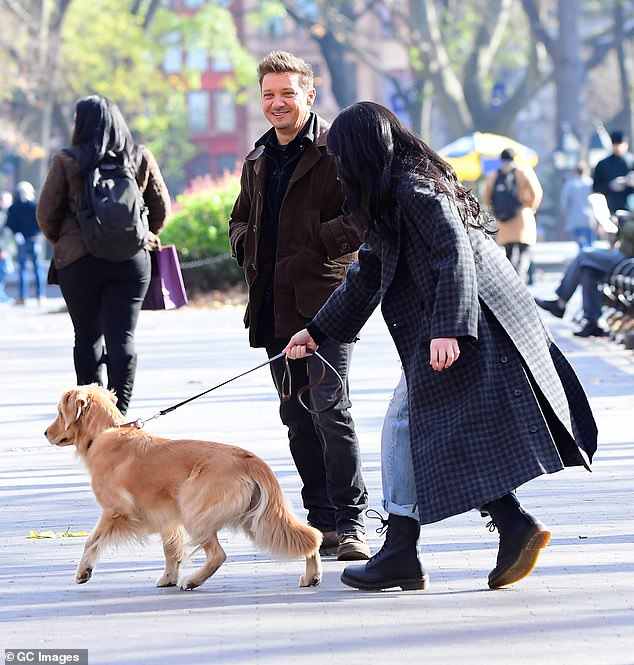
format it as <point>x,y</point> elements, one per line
<point>166,290</point>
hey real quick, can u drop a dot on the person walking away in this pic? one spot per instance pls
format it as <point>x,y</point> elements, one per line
<point>514,194</point>
<point>614,175</point>
<point>290,234</point>
<point>492,400</point>
<point>103,297</point>
<point>574,203</point>
<point>22,221</point>
<point>6,263</point>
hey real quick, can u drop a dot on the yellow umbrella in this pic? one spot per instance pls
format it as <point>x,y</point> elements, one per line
<point>475,155</point>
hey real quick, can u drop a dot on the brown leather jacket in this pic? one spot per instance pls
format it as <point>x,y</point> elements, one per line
<point>56,208</point>
<point>316,242</point>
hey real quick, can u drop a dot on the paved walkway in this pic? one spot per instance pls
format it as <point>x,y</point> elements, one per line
<point>577,608</point>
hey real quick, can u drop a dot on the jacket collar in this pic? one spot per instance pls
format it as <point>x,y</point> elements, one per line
<point>319,132</point>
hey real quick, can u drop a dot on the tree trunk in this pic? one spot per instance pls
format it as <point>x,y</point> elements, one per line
<point>343,74</point>
<point>568,66</point>
<point>626,84</point>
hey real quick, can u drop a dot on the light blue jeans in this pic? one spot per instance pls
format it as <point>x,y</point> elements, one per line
<point>399,488</point>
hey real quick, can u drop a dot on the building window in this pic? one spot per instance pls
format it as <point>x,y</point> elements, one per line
<point>198,111</point>
<point>173,58</point>
<point>199,165</point>
<point>197,59</point>
<point>224,111</point>
<point>221,63</point>
<point>227,164</point>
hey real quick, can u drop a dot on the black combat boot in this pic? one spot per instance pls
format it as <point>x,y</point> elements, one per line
<point>121,380</point>
<point>521,538</point>
<point>396,564</point>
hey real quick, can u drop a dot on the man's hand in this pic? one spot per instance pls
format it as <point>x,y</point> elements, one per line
<point>618,184</point>
<point>443,352</point>
<point>300,345</point>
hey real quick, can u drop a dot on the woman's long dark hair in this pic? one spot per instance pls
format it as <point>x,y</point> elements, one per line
<point>100,130</point>
<point>373,150</point>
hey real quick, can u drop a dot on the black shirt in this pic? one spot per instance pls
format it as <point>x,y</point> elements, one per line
<point>606,170</point>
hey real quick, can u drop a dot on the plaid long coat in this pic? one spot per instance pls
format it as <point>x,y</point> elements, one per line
<point>511,407</point>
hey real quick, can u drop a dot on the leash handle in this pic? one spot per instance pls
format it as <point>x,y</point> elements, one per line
<point>286,380</point>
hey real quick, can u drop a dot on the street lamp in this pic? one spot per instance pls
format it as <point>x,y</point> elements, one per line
<point>566,154</point>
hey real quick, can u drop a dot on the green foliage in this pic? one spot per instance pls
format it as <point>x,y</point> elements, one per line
<point>199,228</point>
<point>107,50</point>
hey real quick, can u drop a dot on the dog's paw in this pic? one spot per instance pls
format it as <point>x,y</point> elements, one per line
<point>82,576</point>
<point>309,580</point>
<point>188,584</point>
<point>165,580</point>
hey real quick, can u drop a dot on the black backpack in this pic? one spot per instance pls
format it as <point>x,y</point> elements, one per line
<point>111,214</point>
<point>504,199</point>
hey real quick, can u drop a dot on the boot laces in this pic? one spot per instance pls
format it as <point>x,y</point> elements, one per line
<point>376,515</point>
<point>491,525</point>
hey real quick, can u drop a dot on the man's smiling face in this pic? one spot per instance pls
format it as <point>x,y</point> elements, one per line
<point>286,104</point>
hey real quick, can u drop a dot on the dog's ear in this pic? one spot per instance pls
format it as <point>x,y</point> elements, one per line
<point>73,403</point>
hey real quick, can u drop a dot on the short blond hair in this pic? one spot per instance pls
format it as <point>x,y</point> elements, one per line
<point>283,62</point>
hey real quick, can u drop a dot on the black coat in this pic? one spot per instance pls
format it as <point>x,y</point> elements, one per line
<point>21,219</point>
<point>511,407</point>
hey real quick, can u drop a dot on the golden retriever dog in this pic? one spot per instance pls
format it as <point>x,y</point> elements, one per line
<point>147,484</point>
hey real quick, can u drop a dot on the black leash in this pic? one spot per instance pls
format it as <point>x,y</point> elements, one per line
<point>139,423</point>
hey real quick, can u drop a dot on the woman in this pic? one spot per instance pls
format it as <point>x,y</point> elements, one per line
<point>517,234</point>
<point>104,297</point>
<point>492,401</point>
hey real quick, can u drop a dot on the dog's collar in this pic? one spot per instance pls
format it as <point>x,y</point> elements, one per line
<point>138,423</point>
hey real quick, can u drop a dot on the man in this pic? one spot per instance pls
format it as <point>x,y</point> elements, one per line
<point>614,178</point>
<point>614,175</point>
<point>288,231</point>
<point>588,269</point>
<point>22,221</point>
<point>514,195</point>
<point>574,203</point>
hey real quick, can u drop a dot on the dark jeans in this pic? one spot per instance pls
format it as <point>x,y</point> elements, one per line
<point>29,251</point>
<point>104,299</point>
<point>324,446</point>
<point>588,269</point>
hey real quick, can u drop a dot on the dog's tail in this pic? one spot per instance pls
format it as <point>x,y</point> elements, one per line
<point>273,526</point>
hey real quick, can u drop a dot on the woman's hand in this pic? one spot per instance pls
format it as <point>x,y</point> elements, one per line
<point>443,352</point>
<point>301,345</point>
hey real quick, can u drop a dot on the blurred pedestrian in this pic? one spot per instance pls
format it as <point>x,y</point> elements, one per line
<point>614,175</point>
<point>492,401</point>
<point>104,297</point>
<point>290,233</point>
<point>514,194</point>
<point>574,202</point>
<point>589,269</point>
<point>6,262</point>
<point>22,221</point>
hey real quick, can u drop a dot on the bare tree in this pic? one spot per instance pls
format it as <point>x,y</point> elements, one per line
<point>461,84</point>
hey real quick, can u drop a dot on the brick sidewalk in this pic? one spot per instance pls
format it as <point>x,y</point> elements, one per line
<point>577,607</point>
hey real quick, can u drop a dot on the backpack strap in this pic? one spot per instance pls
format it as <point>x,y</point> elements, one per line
<point>73,151</point>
